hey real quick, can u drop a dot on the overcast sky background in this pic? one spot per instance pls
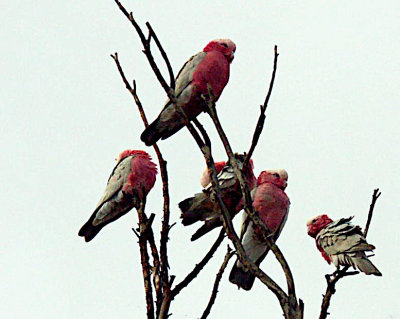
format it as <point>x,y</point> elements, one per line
<point>332,123</point>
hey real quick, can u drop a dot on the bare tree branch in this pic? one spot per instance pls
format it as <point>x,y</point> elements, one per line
<point>164,302</point>
<point>218,278</point>
<point>288,303</point>
<point>163,54</point>
<point>144,225</point>
<point>375,197</point>
<point>331,281</point>
<point>341,273</point>
<point>156,261</point>
<point>161,269</point>
<point>263,108</point>
<point>193,274</point>
<point>147,50</point>
<point>227,221</point>
<point>255,218</point>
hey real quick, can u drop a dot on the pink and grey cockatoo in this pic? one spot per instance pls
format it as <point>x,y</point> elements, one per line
<point>209,67</point>
<point>271,203</point>
<point>202,208</point>
<point>341,243</point>
<point>130,181</point>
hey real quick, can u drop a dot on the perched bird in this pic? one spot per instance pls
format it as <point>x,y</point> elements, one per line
<point>341,243</point>
<point>271,203</point>
<point>205,177</point>
<point>202,208</point>
<point>211,66</point>
<point>130,181</point>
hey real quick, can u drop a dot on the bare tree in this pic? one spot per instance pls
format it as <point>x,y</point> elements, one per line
<point>160,289</point>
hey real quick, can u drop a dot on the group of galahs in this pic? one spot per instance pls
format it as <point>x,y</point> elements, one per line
<point>339,242</point>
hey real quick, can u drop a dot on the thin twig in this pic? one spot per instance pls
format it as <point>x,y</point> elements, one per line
<point>196,270</point>
<point>337,275</point>
<point>146,46</point>
<point>218,278</point>
<point>263,108</point>
<point>375,196</point>
<point>203,132</point>
<point>163,54</point>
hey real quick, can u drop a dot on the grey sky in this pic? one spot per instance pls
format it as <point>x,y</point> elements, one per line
<point>332,123</point>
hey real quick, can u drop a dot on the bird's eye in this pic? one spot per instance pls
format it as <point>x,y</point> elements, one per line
<point>276,175</point>
<point>225,45</point>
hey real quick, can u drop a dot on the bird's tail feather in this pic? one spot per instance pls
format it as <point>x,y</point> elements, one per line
<point>366,266</point>
<point>188,216</point>
<point>151,134</point>
<point>243,279</point>
<point>89,231</point>
<point>160,129</point>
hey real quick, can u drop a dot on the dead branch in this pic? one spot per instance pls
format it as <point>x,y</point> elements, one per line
<point>263,108</point>
<point>144,225</point>
<point>218,278</point>
<point>193,274</point>
<point>146,45</point>
<point>375,197</point>
<point>156,261</point>
<point>332,279</point>
<point>288,302</point>
<point>166,301</point>
<point>164,55</point>
<point>227,221</point>
<point>161,268</point>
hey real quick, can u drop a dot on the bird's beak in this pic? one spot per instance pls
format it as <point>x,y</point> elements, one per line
<point>231,56</point>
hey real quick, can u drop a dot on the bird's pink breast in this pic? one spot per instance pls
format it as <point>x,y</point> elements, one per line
<point>143,175</point>
<point>272,205</point>
<point>214,69</point>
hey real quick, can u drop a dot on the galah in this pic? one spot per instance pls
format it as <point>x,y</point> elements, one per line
<point>202,208</point>
<point>342,243</point>
<point>209,67</point>
<point>129,183</point>
<point>205,177</point>
<point>271,204</point>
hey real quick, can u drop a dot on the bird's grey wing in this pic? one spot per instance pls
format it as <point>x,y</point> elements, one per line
<point>116,180</point>
<point>185,75</point>
<point>342,237</point>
